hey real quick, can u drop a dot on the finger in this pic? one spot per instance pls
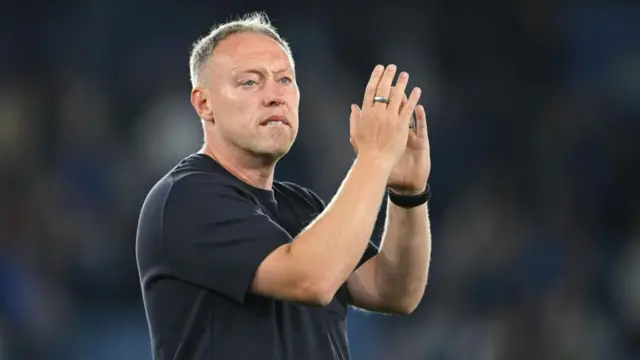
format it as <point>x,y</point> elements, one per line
<point>353,118</point>
<point>384,87</point>
<point>404,100</point>
<point>410,106</point>
<point>398,92</point>
<point>421,121</point>
<point>372,86</point>
<point>353,145</point>
<point>393,89</point>
<point>412,121</point>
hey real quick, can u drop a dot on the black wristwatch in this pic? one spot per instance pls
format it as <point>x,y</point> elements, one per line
<point>409,201</point>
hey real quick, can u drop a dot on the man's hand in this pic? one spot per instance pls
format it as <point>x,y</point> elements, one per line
<point>395,279</point>
<point>410,174</point>
<point>381,130</point>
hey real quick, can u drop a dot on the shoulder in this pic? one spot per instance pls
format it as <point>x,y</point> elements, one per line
<point>198,177</point>
<point>204,194</point>
<point>294,192</point>
<point>196,183</point>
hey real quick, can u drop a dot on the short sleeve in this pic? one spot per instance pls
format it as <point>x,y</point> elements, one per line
<point>216,235</point>
<point>371,251</point>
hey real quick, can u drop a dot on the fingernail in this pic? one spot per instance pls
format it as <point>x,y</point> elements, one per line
<point>391,67</point>
<point>404,74</point>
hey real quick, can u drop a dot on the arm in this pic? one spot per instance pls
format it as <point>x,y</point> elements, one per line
<point>314,266</point>
<point>394,281</point>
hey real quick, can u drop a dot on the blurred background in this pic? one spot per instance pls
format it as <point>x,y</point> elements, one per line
<point>534,119</point>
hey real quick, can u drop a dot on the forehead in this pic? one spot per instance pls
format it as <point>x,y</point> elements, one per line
<point>250,50</point>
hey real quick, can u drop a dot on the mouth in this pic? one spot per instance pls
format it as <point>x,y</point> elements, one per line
<point>276,120</point>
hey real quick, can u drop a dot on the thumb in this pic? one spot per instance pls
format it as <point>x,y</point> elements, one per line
<point>353,119</point>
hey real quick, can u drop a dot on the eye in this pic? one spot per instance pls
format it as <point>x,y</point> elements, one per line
<point>248,83</point>
<point>286,80</point>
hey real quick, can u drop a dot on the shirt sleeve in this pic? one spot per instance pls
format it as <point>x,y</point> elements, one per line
<point>371,251</point>
<point>217,236</point>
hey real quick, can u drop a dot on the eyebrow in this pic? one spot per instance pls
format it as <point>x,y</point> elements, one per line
<point>259,71</point>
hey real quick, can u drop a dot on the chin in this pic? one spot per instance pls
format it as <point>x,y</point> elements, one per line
<point>280,151</point>
<point>274,152</point>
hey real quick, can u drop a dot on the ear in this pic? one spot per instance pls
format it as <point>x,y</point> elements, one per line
<point>202,105</point>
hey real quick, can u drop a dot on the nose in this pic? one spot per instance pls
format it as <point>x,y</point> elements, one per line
<point>274,94</point>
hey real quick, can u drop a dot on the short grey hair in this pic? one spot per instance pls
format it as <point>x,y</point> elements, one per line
<point>256,22</point>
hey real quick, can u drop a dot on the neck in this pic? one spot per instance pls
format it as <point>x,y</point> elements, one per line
<point>250,169</point>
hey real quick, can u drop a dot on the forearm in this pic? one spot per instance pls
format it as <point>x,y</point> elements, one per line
<point>328,250</point>
<point>402,266</point>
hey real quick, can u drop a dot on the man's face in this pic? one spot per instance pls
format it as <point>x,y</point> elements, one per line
<point>251,88</point>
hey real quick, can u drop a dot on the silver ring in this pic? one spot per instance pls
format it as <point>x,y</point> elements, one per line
<point>382,99</point>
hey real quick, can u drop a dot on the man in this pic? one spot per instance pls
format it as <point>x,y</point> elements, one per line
<point>236,265</point>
